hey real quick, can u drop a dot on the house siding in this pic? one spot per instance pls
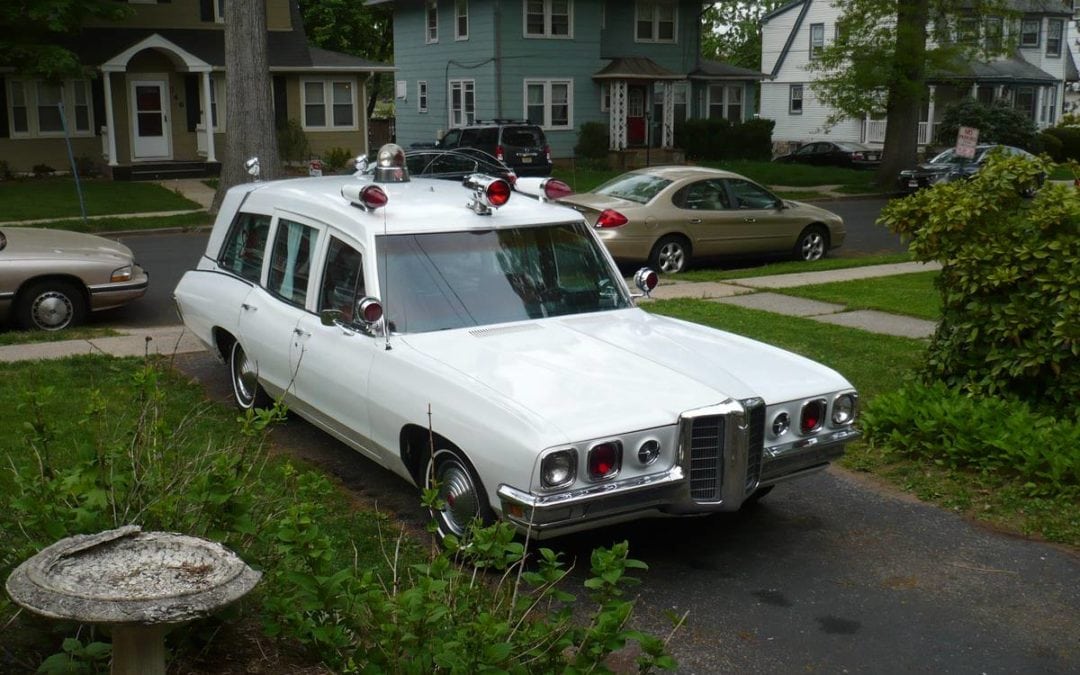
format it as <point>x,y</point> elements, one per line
<point>186,14</point>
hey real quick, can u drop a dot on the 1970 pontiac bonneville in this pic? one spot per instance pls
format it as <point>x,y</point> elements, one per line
<point>482,341</point>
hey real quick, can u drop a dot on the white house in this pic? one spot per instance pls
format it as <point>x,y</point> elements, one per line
<point>1031,79</point>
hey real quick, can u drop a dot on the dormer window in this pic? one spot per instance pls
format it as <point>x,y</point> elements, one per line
<point>655,21</point>
<point>1029,32</point>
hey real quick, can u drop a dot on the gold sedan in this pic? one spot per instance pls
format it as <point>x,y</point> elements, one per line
<point>670,214</point>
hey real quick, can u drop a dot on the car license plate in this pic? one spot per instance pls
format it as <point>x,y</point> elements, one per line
<point>526,159</point>
<point>913,183</point>
<point>872,158</point>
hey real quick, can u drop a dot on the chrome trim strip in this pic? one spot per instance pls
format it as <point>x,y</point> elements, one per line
<point>6,296</point>
<point>113,288</point>
<point>589,494</point>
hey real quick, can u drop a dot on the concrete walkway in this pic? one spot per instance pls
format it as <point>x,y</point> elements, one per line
<point>168,340</point>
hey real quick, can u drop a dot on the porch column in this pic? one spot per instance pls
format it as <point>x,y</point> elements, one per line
<point>667,139</point>
<point>110,119</point>
<point>975,91</point>
<point>1040,97</point>
<point>208,118</point>
<point>617,115</point>
<point>930,114</point>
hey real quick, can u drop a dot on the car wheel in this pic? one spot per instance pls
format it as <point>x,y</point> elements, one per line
<point>671,254</point>
<point>51,305</point>
<point>812,243</point>
<point>245,380</point>
<point>757,496</point>
<point>461,496</point>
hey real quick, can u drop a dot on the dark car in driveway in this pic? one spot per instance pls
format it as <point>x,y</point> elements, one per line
<point>519,143</point>
<point>948,166</point>
<point>834,153</point>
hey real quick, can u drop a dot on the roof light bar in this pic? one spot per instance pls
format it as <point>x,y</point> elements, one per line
<point>488,193</point>
<point>367,197</point>
<point>390,165</point>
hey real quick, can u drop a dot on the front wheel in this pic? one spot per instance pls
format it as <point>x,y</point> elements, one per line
<point>461,496</point>
<point>245,380</point>
<point>671,254</point>
<point>812,244</point>
<point>51,306</point>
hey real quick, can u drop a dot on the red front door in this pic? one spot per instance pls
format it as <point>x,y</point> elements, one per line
<point>635,116</point>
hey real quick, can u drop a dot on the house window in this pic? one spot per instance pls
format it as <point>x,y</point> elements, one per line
<point>1051,105</point>
<point>431,33</point>
<point>461,19</point>
<point>682,100</point>
<point>34,108</point>
<point>993,36</point>
<point>655,21</point>
<point>817,39</point>
<point>219,11</point>
<point>1025,101</point>
<point>1029,32</point>
<point>548,103</point>
<point>549,18</point>
<point>725,101</point>
<point>421,96</point>
<point>795,99</point>
<point>462,102</point>
<point>329,104</point>
<point>967,31</point>
<point>217,93</point>
<point>1054,30</point>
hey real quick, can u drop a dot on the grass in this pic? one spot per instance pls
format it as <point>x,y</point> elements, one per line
<point>34,199</point>
<point>876,364</point>
<point>123,224</point>
<point>906,294</point>
<point>790,267</point>
<point>22,337</point>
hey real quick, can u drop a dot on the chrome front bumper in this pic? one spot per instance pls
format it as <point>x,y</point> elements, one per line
<point>723,483</point>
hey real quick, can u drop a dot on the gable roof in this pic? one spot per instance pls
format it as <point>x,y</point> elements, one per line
<point>718,70</point>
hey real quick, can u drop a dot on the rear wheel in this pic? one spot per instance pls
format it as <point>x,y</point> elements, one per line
<point>462,498</point>
<point>51,305</point>
<point>245,380</point>
<point>671,254</point>
<point>812,243</point>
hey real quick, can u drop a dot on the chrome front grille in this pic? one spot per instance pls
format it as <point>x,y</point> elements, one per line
<point>755,413</point>
<point>706,457</point>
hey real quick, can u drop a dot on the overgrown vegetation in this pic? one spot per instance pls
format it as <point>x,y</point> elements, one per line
<point>143,447</point>
<point>592,145</point>
<point>292,142</point>
<point>996,122</point>
<point>335,159</point>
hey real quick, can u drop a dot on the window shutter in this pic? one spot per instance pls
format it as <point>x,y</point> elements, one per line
<point>3,109</point>
<point>206,10</point>
<point>192,96</point>
<point>97,101</point>
<point>281,103</point>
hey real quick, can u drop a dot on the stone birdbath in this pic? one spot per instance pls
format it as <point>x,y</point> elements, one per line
<point>139,584</point>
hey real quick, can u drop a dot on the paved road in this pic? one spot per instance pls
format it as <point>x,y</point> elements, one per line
<point>168,256</point>
<point>830,574</point>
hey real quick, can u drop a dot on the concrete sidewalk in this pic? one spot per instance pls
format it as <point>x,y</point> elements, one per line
<point>168,340</point>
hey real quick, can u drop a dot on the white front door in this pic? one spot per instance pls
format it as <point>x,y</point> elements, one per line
<point>151,138</point>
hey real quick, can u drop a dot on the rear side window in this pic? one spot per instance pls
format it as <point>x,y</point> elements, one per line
<point>290,264</point>
<point>245,246</point>
<point>523,137</point>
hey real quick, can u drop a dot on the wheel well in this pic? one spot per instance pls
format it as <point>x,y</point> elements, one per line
<point>824,230</point>
<point>223,341</point>
<point>415,442</point>
<point>75,281</point>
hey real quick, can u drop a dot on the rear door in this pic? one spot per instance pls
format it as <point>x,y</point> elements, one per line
<point>523,145</point>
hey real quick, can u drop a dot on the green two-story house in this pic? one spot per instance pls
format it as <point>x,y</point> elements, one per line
<point>633,65</point>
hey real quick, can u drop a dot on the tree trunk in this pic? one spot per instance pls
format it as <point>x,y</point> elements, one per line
<point>907,91</point>
<point>249,105</point>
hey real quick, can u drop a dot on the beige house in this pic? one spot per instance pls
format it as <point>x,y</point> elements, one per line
<point>155,82</point>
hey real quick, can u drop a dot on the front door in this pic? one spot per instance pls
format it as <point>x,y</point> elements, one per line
<point>150,114</point>
<point>635,116</point>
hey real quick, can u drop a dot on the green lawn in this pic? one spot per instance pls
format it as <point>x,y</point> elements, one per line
<point>789,267</point>
<point>908,294</point>
<point>36,198</point>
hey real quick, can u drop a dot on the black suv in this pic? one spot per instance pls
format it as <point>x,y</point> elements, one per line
<point>519,144</point>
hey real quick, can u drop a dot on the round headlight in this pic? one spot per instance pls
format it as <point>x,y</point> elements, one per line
<point>843,409</point>
<point>558,469</point>
<point>780,424</point>
<point>648,452</point>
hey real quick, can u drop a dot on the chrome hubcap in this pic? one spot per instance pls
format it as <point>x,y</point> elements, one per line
<point>458,495</point>
<point>671,258</point>
<point>813,246</point>
<point>245,376</point>
<point>52,311</point>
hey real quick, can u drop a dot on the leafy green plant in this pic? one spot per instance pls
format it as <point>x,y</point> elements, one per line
<point>1010,282</point>
<point>997,123</point>
<point>1068,139</point>
<point>1051,145</point>
<point>716,139</point>
<point>592,142</point>
<point>77,658</point>
<point>336,158</point>
<point>292,142</point>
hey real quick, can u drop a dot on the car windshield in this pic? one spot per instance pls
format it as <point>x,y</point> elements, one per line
<point>636,187</point>
<point>950,157</point>
<point>444,280</point>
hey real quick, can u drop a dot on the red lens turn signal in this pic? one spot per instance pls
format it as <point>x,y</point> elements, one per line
<point>813,414</point>
<point>556,189</point>
<point>604,460</point>
<point>498,192</point>
<point>611,218</point>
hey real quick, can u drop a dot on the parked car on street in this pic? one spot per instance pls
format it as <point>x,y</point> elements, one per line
<point>671,215</point>
<point>948,166</point>
<point>834,153</point>
<point>481,342</point>
<point>521,144</point>
<point>455,164</point>
<point>51,279</point>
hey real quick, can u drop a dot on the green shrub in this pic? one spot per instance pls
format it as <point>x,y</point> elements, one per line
<point>335,159</point>
<point>988,434</point>
<point>292,142</point>
<point>592,141</point>
<point>1051,145</point>
<point>1010,282</point>
<point>719,139</point>
<point>997,123</point>
<point>1069,138</point>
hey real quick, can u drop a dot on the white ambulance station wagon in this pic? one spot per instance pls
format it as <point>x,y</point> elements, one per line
<point>470,337</point>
